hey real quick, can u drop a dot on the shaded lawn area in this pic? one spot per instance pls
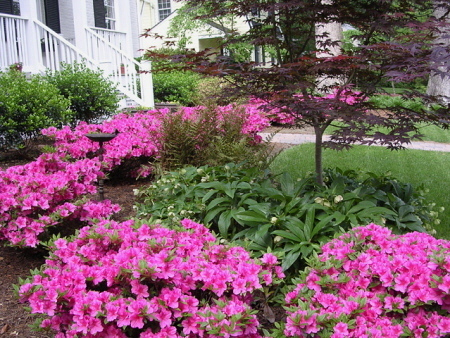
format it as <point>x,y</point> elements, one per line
<point>430,133</point>
<point>428,168</point>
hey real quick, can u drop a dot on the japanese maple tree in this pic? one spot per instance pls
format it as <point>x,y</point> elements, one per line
<point>310,76</point>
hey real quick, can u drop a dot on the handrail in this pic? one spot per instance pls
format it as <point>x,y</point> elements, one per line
<point>13,40</point>
<point>37,48</point>
<point>119,66</point>
<point>56,49</point>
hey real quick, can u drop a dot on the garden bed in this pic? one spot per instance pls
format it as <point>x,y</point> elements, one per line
<point>16,263</point>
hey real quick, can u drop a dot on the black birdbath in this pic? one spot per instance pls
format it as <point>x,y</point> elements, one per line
<point>101,138</point>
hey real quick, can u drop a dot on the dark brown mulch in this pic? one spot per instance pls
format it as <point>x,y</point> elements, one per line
<point>16,263</point>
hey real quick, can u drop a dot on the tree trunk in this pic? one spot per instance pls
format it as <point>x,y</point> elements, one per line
<point>318,131</point>
<point>438,85</point>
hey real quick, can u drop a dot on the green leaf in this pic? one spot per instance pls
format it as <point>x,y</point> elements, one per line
<point>212,214</point>
<point>217,201</point>
<point>251,217</point>
<point>322,224</point>
<point>224,223</point>
<point>360,206</point>
<point>290,259</point>
<point>376,211</point>
<point>296,229</point>
<point>208,195</point>
<point>287,234</point>
<point>215,185</point>
<point>287,184</point>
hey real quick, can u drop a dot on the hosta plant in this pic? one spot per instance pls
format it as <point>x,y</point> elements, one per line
<point>370,282</point>
<point>288,217</point>
<point>139,280</point>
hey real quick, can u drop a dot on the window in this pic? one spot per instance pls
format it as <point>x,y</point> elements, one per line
<point>104,14</point>
<point>10,7</point>
<point>110,18</point>
<point>163,9</point>
<point>16,7</point>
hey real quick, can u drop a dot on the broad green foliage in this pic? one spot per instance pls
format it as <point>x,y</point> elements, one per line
<point>27,106</point>
<point>290,218</point>
<point>91,95</point>
<point>396,102</point>
<point>170,82</point>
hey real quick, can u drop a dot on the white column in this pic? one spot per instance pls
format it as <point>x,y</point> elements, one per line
<point>147,84</point>
<point>124,24</point>
<point>79,8</point>
<point>33,61</point>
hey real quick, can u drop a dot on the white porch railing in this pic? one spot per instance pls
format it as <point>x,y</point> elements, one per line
<point>117,39</point>
<point>13,40</point>
<point>56,50</point>
<point>38,48</point>
<point>120,67</point>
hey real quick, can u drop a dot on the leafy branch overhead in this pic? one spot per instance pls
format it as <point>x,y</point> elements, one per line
<point>305,60</point>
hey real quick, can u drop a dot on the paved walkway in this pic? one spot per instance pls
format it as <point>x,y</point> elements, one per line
<point>296,138</point>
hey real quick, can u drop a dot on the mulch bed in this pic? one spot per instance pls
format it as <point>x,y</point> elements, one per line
<point>17,263</point>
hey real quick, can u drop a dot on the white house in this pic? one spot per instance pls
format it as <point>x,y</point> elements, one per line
<point>40,34</point>
<point>156,15</point>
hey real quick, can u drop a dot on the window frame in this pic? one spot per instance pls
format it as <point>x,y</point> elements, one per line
<point>164,9</point>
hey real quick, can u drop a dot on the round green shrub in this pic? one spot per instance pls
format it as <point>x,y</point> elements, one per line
<point>176,86</point>
<point>91,95</point>
<point>27,106</point>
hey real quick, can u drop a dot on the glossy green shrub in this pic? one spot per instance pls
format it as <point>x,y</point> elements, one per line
<point>290,218</point>
<point>92,96</point>
<point>27,106</point>
<point>176,86</point>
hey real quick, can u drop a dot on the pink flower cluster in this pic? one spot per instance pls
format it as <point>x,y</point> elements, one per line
<point>372,283</point>
<point>45,192</point>
<point>42,193</point>
<point>127,279</point>
<point>281,113</point>
<point>138,137</point>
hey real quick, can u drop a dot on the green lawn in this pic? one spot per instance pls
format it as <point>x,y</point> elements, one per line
<point>431,133</point>
<point>428,168</point>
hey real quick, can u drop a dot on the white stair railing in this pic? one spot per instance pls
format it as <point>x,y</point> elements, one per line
<point>116,38</point>
<point>120,67</point>
<point>56,50</point>
<point>37,47</point>
<point>13,41</point>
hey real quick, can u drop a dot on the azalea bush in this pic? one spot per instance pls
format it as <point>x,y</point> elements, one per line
<point>137,138</point>
<point>139,280</point>
<point>372,283</point>
<point>46,192</point>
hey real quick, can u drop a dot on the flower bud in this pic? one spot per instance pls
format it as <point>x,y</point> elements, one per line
<point>338,199</point>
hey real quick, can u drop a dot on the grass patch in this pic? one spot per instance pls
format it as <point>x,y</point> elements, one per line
<point>418,167</point>
<point>430,132</point>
